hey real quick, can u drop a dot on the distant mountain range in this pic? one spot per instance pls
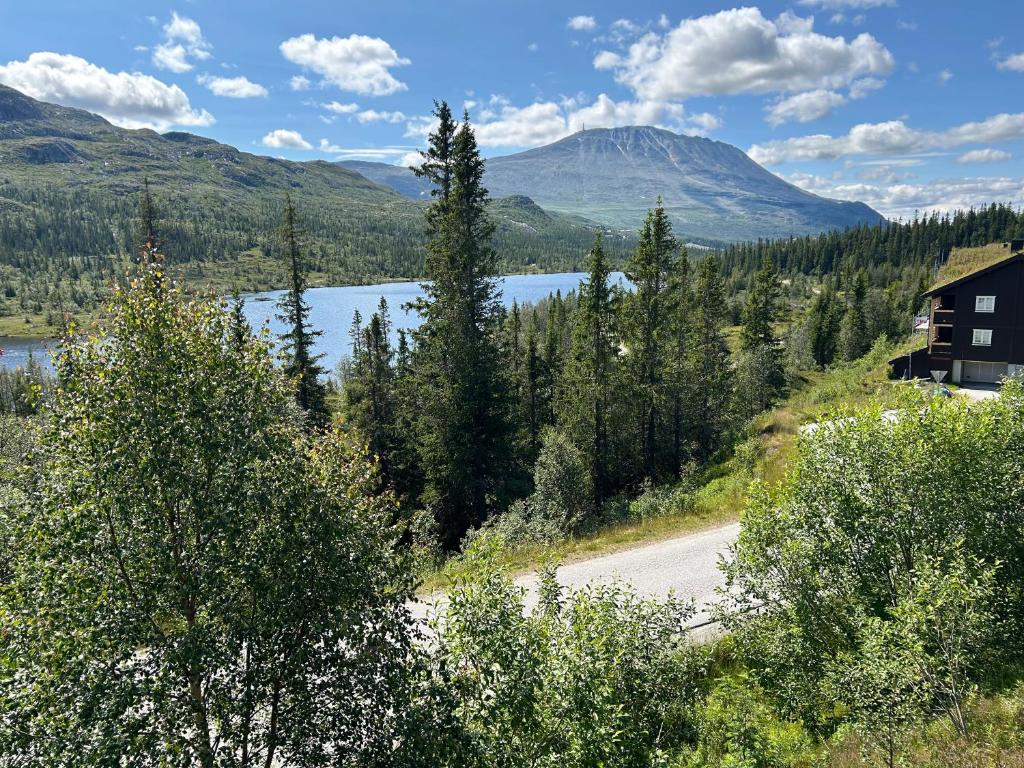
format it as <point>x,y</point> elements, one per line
<point>69,184</point>
<point>712,190</point>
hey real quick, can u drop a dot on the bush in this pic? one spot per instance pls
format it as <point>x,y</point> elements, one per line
<point>590,677</point>
<point>738,728</point>
<point>887,523</point>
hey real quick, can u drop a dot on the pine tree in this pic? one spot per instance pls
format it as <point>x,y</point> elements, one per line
<point>823,325</point>
<point>644,325</point>
<point>587,396</point>
<point>677,378</point>
<point>241,331</point>
<point>148,240</point>
<point>534,404</point>
<point>463,427</point>
<point>370,393</point>
<point>709,360</point>
<point>760,376</point>
<point>301,364</point>
<point>853,331</point>
<point>761,310</point>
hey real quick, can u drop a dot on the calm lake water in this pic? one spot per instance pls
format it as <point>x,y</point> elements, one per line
<point>332,310</point>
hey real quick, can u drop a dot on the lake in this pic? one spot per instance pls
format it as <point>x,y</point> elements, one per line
<point>332,310</point>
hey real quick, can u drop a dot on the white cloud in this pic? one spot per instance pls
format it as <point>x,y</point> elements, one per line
<point>299,83</point>
<point>533,47</point>
<point>945,76</point>
<point>888,138</point>
<point>420,127</point>
<point>902,199</point>
<point>987,155</point>
<point>282,138</point>
<point>232,87</point>
<point>740,51</point>
<point>834,4</point>
<point>582,23</point>
<point>373,116</point>
<point>1014,62</point>
<point>171,57</point>
<point>355,63</point>
<point>703,123</point>
<point>502,124</point>
<point>804,107</point>
<point>132,100</point>
<point>861,88</point>
<point>411,160</point>
<point>383,154</point>
<point>340,109</point>
<point>183,39</point>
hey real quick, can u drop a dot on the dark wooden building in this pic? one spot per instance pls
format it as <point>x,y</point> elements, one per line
<point>976,328</point>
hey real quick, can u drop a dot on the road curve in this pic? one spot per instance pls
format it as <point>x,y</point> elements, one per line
<point>686,565</point>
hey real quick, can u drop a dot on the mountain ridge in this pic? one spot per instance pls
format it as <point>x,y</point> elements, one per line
<point>711,189</point>
<point>69,181</point>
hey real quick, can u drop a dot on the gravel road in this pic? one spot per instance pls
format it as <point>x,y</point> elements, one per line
<point>686,565</point>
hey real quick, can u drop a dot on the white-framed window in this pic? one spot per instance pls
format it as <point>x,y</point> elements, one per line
<point>984,303</point>
<point>982,337</point>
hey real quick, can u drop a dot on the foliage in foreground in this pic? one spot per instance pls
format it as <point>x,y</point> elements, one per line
<point>882,581</point>
<point>194,582</point>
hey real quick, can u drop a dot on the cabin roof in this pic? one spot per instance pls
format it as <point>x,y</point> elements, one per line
<point>996,261</point>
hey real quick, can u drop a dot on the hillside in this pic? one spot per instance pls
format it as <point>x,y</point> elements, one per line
<point>69,184</point>
<point>712,190</point>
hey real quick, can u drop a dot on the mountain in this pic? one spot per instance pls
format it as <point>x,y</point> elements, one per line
<point>712,190</point>
<point>69,184</point>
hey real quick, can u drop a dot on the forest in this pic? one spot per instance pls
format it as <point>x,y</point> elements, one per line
<point>211,547</point>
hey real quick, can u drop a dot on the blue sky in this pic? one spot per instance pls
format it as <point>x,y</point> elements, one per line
<point>905,104</point>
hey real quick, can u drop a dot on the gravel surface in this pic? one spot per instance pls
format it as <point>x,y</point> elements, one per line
<point>686,565</point>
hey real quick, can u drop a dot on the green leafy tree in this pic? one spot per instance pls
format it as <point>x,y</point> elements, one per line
<point>197,583</point>
<point>892,520</point>
<point>590,677</point>
<point>463,423</point>
<point>301,364</point>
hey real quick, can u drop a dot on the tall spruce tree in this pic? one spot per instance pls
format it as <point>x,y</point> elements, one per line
<point>709,360</point>
<point>853,330</point>
<point>761,309</point>
<point>369,403</point>
<point>463,427</point>
<point>677,376</point>
<point>823,319</point>
<point>644,318</point>
<point>533,388</point>
<point>148,240</point>
<point>587,395</point>
<point>759,369</point>
<point>301,364</point>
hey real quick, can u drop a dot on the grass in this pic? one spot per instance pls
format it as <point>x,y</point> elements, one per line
<point>964,261</point>
<point>721,490</point>
<point>28,326</point>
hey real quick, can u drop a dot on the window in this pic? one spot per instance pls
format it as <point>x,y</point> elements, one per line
<point>984,303</point>
<point>982,337</point>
